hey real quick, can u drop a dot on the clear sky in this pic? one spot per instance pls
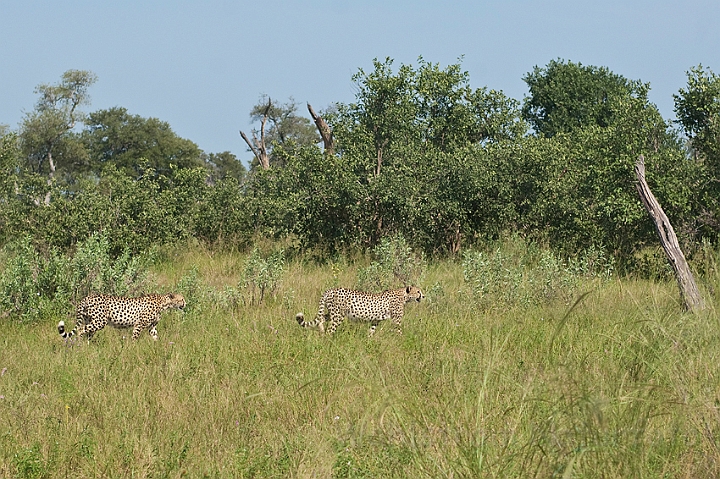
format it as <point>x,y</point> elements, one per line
<point>201,66</point>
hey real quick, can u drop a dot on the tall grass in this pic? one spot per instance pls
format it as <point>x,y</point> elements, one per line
<point>620,384</point>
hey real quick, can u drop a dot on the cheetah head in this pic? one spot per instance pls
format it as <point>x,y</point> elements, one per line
<point>413,293</point>
<point>176,301</point>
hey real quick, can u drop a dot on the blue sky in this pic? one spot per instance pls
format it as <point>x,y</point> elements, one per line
<point>201,66</point>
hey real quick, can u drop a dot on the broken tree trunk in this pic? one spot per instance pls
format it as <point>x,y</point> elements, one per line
<point>324,130</point>
<point>258,149</point>
<point>688,289</point>
<point>258,146</point>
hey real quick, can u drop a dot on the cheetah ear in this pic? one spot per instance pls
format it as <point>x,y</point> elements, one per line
<point>407,289</point>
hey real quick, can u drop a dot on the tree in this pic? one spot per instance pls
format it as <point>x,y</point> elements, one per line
<point>409,135</point>
<point>9,166</point>
<point>566,95</point>
<point>46,134</point>
<point>324,130</point>
<point>279,125</point>
<point>224,165</point>
<point>408,160</point>
<point>135,144</point>
<point>591,125</point>
<point>698,112</point>
<point>688,288</point>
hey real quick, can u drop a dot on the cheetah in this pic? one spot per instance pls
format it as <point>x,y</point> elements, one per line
<point>97,310</point>
<point>337,304</point>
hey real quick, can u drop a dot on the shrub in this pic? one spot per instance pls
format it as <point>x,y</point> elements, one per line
<point>35,285</point>
<point>520,274</point>
<point>395,265</point>
<point>262,275</point>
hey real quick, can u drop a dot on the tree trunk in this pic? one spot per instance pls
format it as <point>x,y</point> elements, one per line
<point>258,147</point>
<point>688,289</point>
<point>51,177</point>
<point>324,130</point>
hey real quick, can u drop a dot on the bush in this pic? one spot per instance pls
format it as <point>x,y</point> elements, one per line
<point>520,274</point>
<point>395,265</point>
<point>262,275</point>
<point>34,285</point>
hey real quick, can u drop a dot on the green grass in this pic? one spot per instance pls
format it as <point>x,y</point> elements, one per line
<point>621,385</point>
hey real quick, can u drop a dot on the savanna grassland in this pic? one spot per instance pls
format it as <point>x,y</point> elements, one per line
<point>612,380</point>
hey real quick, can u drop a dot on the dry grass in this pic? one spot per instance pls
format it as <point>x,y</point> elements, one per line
<point>622,386</point>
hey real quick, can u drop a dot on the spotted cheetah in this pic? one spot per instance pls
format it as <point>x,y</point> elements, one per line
<point>97,310</point>
<point>338,304</point>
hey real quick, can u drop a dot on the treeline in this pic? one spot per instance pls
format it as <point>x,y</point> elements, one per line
<point>419,154</point>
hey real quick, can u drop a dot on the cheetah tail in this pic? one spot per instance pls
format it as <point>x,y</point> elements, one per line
<point>317,323</point>
<point>61,330</point>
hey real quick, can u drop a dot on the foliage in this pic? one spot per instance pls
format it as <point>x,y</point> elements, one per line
<point>314,197</point>
<point>405,142</point>
<point>9,168</point>
<point>501,280</point>
<point>94,269</point>
<point>224,165</point>
<point>136,214</point>
<point>136,145</point>
<point>34,285</point>
<point>418,154</point>
<point>577,177</point>
<point>224,214</point>
<point>423,155</point>
<point>395,265</point>
<point>698,112</point>
<point>282,127</point>
<point>262,275</point>
<point>48,144</point>
<point>565,96</point>
<point>521,274</point>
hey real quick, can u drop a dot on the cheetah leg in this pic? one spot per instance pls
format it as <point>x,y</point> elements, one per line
<point>335,320</point>
<point>321,316</point>
<point>398,326</point>
<point>373,326</point>
<point>89,329</point>
<point>153,332</point>
<point>136,331</point>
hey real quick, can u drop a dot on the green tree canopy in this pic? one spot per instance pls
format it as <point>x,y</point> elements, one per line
<point>698,112</point>
<point>133,144</point>
<point>224,165</point>
<point>49,145</point>
<point>409,161</point>
<point>591,126</point>
<point>566,95</point>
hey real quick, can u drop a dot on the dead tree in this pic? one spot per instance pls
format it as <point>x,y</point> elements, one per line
<point>324,130</point>
<point>688,289</point>
<point>258,146</point>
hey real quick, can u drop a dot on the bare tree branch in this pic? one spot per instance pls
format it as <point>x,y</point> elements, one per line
<point>688,289</point>
<point>258,146</point>
<point>324,130</point>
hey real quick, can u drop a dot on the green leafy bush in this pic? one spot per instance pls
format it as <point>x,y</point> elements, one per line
<point>35,285</point>
<point>522,274</point>
<point>261,275</point>
<point>395,265</point>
